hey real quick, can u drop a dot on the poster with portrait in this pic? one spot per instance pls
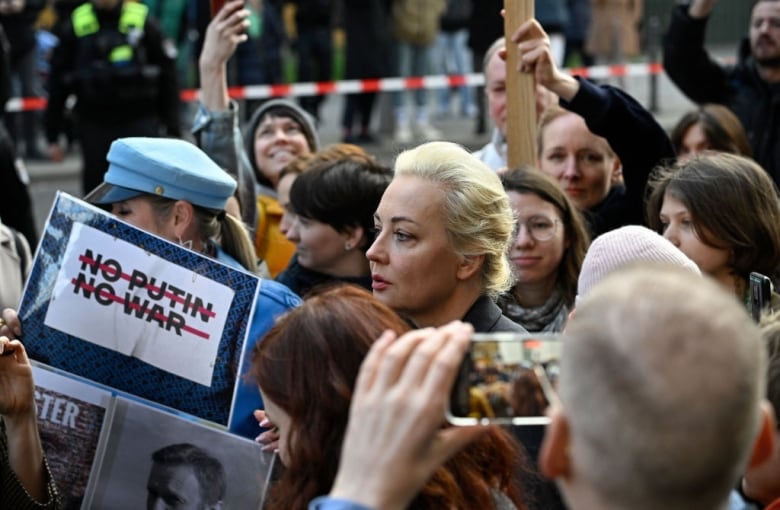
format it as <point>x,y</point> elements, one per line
<point>135,312</point>
<point>71,421</point>
<point>234,470</point>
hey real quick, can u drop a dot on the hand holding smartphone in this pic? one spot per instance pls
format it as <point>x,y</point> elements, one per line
<point>505,379</point>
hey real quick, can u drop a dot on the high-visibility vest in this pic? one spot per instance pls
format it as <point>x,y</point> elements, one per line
<point>133,16</point>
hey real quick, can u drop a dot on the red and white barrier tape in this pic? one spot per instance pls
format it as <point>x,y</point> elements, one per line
<point>18,104</point>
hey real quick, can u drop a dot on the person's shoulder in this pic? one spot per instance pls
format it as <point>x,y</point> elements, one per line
<point>273,292</point>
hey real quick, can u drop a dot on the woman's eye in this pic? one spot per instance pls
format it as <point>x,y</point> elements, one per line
<point>401,236</point>
<point>374,232</point>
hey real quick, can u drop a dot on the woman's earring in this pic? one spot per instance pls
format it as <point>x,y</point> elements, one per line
<point>187,244</point>
<point>347,247</point>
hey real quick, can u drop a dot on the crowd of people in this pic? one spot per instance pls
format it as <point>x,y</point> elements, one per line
<point>635,244</point>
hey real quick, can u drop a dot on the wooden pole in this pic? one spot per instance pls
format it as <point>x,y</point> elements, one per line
<point>520,92</point>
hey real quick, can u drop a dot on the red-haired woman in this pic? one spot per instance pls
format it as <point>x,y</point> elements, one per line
<point>306,367</point>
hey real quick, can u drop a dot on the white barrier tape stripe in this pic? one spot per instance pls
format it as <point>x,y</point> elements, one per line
<point>18,104</point>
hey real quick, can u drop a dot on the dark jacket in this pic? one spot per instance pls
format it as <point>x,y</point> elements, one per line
<point>755,102</point>
<point>78,66</point>
<point>637,139</point>
<point>20,29</point>
<point>486,317</point>
<point>301,280</point>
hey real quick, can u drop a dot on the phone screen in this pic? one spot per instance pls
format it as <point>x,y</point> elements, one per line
<point>506,378</point>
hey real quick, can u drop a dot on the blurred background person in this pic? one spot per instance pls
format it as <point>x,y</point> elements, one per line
<point>613,35</point>
<point>415,27</point>
<point>313,43</point>
<point>452,56</point>
<point>18,18</point>
<point>576,32</point>
<point>117,62</point>
<point>709,127</point>
<point>16,209</point>
<point>368,56</point>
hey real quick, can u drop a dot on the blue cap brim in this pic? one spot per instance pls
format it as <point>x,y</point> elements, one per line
<point>107,193</point>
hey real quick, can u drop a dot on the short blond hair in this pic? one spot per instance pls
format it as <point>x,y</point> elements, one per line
<point>477,214</point>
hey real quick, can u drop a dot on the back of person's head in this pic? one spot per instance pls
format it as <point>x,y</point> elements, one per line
<point>624,246</point>
<point>343,193</point>
<point>661,383</point>
<point>332,152</point>
<point>208,470</point>
<point>576,237</point>
<point>477,214</point>
<point>526,396</point>
<point>733,204</point>
<point>722,130</point>
<point>307,364</point>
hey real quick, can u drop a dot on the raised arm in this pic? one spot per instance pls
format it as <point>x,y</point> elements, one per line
<point>216,123</point>
<point>685,59</point>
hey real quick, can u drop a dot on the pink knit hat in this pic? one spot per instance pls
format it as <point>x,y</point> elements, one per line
<point>626,245</point>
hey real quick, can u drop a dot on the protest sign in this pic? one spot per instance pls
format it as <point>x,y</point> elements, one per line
<point>138,431</point>
<point>135,312</point>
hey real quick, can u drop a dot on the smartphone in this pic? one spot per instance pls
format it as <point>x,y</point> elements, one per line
<point>216,6</point>
<point>507,379</point>
<point>760,295</point>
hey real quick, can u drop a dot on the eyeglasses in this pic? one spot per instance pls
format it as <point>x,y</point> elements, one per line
<point>540,228</point>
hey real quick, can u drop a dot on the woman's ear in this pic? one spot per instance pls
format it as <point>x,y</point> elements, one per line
<point>182,218</point>
<point>354,237</point>
<point>469,265</point>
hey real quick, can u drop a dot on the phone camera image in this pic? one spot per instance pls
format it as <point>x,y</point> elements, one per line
<point>505,379</point>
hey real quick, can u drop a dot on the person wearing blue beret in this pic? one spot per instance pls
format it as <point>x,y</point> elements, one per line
<point>172,189</point>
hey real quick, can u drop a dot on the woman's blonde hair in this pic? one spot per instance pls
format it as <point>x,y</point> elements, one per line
<point>226,230</point>
<point>477,215</point>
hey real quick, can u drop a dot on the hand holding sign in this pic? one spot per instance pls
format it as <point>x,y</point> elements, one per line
<point>534,56</point>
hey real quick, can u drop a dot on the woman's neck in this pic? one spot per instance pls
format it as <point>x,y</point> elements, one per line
<point>353,264</point>
<point>533,294</point>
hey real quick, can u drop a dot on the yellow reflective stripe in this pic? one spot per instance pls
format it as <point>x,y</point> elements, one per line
<point>122,53</point>
<point>84,20</point>
<point>133,15</point>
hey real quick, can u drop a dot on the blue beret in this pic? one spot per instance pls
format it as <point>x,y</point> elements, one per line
<point>167,167</point>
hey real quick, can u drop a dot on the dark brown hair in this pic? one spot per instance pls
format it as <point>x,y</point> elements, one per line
<point>531,180</point>
<point>733,204</point>
<point>307,364</point>
<point>721,128</point>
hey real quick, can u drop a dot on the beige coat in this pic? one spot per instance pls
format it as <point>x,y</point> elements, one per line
<point>613,34</point>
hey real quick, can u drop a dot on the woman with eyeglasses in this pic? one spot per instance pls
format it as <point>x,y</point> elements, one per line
<point>547,252</point>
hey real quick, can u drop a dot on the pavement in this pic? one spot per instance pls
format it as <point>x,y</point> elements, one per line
<point>47,177</point>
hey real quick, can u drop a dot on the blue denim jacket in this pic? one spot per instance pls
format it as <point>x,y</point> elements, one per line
<point>273,300</point>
